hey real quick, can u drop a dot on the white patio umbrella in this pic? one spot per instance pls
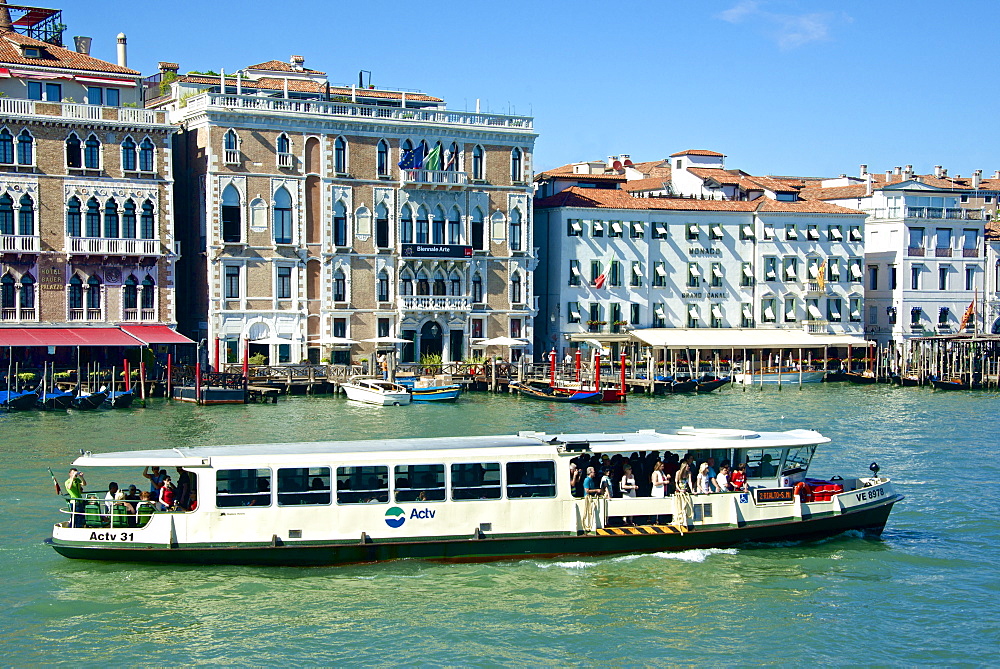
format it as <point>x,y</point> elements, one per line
<point>333,341</point>
<point>271,340</point>
<point>388,340</point>
<point>503,341</point>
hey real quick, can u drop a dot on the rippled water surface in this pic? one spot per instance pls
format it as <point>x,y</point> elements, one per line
<point>923,594</point>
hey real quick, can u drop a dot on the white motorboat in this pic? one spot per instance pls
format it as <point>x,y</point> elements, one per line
<point>376,391</point>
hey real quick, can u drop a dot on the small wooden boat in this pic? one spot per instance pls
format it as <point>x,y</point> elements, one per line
<point>863,378</point>
<point>445,393</point>
<point>678,384</point>
<point>558,394</point>
<point>376,391</point>
<point>791,376</point>
<point>12,400</point>
<point>707,384</point>
<point>88,401</point>
<point>120,399</point>
<point>908,381</point>
<point>954,383</point>
<point>57,400</point>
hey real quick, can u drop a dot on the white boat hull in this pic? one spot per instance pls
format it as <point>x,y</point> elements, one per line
<point>375,396</point>
<point>773,378</point>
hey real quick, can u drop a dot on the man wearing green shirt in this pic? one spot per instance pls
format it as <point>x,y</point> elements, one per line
<point>74,487</point>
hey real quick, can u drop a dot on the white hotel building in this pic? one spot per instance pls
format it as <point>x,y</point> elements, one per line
<point>924,250</point>
<point>759,259</point>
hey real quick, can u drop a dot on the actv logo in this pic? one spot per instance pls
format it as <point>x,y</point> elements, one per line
<point>395,517</point>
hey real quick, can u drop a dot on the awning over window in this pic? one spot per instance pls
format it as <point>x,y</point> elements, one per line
<point>748,270</point>
<point>747,311</point>
<point>693,312</point>
<point>157,334</point>
<point>716,311</point>
<point>694,270</point>
<point>747,231</point>
<point>661,270</point>
<point>815,312</point>
<point>78,336</point>
<point>717,271</point>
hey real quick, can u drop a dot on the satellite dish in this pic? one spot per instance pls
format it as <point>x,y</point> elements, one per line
<point>617,164</point>
<point>628,163</point>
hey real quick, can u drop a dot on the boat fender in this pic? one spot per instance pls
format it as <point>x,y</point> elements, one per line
<point>837,477</point>
<point>803,491</point>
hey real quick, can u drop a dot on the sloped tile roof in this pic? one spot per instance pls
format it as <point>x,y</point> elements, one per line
<point>993,230</point>
<point>280,66</point>
<point>617,199</point>
<point>698,152</point>
<point>651,183</point>
<point>54,56</point>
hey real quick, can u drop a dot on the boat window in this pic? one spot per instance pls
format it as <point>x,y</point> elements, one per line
<point>303,485</point>
<point>242,487</point>
<point>798,458</point>
<point>419,483</point>
<point>531,479</point>
<point>475,481</point>
<point>362,485</point>
<point>762,463</point>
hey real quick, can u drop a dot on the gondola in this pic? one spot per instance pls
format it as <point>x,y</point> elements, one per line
<point>863,378</point>
<point>909,381</point>
<point>954,384</point>
<point>17,401</point>
<point>120,399</point>
<point>57,400</point>
<point>707,384</point>
<point>678,384</point>
<point>558,394</point>
<point>89,401</point>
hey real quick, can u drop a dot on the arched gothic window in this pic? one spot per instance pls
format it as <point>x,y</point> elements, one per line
<point>130,294</point>
<point>381,226</point>
<point>232,224</point>
<point>455,226</point>
<point>92,153</point>
<point>6,147</point>
<point>147,223</point>
<point>148,297</point>
<point>93,293</point>
<point>516,166</point>
<point>74,156</point>
<point>423,225</point>
<point>382,158</point>
<point>73,222</point>
<point>75,298</point>
<point>6,214</point>
<point>25,148</point>
<point>128,220</point>
<point>282,216</point>
<point>146,153</point>
<point>129,155</point>
<point>340,155</point>
<point>477,162</point>
<point>515,230</point>
<point>111,219</point>
<point>406,225</point>
<point>26,216</point>
<point>93,218</point>
<point>339,224</point>
<point>437,233</point>
<point>478,231</point>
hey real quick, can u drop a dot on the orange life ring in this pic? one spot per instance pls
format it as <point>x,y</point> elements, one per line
<point>803,491</point>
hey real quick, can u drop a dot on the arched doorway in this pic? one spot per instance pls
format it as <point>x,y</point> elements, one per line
<point>431,339</point>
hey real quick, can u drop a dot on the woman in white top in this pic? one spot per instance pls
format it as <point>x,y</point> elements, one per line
<point>704,480</point>
<point>628,485</point>
<point>659,481</point>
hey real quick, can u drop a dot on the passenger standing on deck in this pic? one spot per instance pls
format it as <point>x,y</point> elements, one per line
<point>155,480</point>
<point>591,484</point>
<point>575,480</point>
<point>683,480</point>
<point>722,480</point>
<point>738,479</point>
<point>705,484</point>
<point>607,486</point>
<point>74,488</point>
<point>658,480</point>
<point>628,485</point>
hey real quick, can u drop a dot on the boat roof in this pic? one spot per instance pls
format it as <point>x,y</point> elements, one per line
<point>683,439</point>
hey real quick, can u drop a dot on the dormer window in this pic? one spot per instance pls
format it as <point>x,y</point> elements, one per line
<point>31,52</point>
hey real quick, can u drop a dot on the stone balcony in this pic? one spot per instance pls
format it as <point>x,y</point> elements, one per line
<point>434,303</point>
<point>67,110</point>
<point>433,179</point>
<point>113,246</point>
<point>20,243</point>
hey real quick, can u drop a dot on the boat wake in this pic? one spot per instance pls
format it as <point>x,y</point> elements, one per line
<point>692,555</point>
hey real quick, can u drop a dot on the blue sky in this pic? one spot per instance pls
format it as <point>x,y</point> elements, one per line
<point>780,86</point>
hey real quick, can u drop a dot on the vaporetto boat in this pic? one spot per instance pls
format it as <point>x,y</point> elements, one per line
<point>468,499</point>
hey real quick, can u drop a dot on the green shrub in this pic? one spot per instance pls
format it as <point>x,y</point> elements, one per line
<point>257,359</point>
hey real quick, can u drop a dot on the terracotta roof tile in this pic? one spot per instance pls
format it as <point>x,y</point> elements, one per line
<point>304,86</point>
<point>726,177</point>
<point>993,230</point>
<point>617,199</point>
<point>54,56</point>
<point>651,183</point>
<point>280,66</point>
<point>834,193</point>
<point>698,152</point>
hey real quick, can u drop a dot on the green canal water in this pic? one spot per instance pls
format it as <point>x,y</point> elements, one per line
<point>925,593</point>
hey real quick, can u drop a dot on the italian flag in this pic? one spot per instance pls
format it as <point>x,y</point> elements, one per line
<point>602,279</point>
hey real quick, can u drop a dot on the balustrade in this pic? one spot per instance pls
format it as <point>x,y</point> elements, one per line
<point>22,243</point>
<point>114,246</point>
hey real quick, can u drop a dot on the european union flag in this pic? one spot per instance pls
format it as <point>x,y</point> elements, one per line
<point>413,159</point>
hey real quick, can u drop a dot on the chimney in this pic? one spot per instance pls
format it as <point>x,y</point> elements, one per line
<point>977,178</point>
<point>888,176</point>
<point>908,172</point>
<point>937,171</point>
<point>898,171</point>
<point>82,45</point>
<point>864,170</point>
<point>122,55</point>
<point>6,25</point>
<point>868,182</point>
<point>996,174</point>
<point>168,68</point>
<point>298,63</point>
<point>944,172</point>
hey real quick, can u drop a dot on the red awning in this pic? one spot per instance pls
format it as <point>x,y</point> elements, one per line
<point>81,336</point>
<point>156,334</point>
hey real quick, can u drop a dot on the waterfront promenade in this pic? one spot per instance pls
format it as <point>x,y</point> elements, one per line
<point>916,589</point>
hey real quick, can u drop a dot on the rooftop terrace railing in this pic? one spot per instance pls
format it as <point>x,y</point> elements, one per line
<point>352,110</point>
